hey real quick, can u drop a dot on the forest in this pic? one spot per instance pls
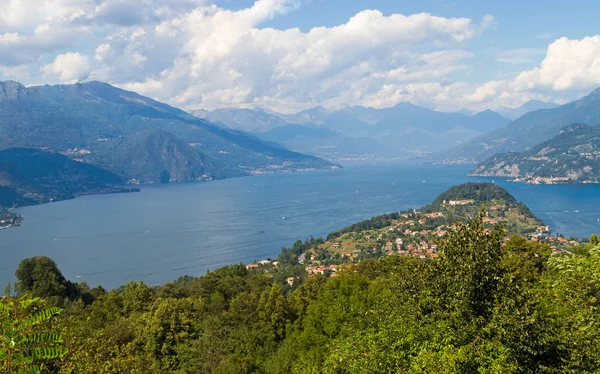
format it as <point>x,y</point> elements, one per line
<point>484,305</point>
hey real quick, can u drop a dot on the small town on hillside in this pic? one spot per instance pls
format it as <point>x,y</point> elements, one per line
<point>418,234</point>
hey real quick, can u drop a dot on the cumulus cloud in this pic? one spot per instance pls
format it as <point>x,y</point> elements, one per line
<point>231,60</point>
<point>569,64</point>
<point>195,54</point>
<point>69,67</point>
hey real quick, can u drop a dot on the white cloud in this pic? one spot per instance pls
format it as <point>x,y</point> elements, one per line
<point>68,68</point>
<point>520,56</point>
<point>569,65</point>
<point>224,58</point>
<point>192,54</point>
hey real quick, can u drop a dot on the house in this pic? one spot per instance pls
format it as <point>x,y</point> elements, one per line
<point>441,233</point>
<point>336,245</point>
<point>290,281</point>
<point>399,242</point>
<point>459,202</point>
<point>422,221</point>
<point>251,266</point>
<point>264,262</point>
<point>389,246</point>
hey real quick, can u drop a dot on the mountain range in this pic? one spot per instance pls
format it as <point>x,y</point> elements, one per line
<point>572,156</point>
<point>530,106</point>
<point>139,139</point>
<point>357,131</point>
<point>527,131</point>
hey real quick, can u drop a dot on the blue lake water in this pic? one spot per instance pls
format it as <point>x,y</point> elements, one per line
<point>167,231</point>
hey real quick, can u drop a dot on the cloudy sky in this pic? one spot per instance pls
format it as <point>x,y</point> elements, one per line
<point>288,55</point>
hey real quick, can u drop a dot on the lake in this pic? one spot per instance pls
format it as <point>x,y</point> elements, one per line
<point>167,231</point>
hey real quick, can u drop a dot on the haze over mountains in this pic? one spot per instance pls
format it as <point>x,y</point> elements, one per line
<point>528,130</point>
<point>530,106</point>
<point>403,130</point>
<point>572,156</point>
<point>139,139</point>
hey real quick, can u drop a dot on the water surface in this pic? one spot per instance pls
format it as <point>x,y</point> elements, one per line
<point>167,231</point>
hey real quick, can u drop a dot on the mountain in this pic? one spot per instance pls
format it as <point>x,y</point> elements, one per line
<point>85,121</point>
<point>530,106</point>
<point>316,115</point>
<point>33,176</point>
<point>250,120</point>
<point>289,132</point>
<point>572,156</point>
<point>158,156</point>
<point>407,115</point>
<point>527,131</point>
<point>357,132</point>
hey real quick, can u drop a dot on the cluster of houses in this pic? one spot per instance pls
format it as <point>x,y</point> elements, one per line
<point>7,221</point>
<point>262,263</point>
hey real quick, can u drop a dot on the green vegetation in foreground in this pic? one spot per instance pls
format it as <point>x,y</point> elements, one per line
<point>572,156</point>
<point>483,305</point>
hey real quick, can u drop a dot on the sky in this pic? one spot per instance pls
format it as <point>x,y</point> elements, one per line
<point>289,55</point>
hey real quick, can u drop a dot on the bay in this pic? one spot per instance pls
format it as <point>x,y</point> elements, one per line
<point>167,231</point>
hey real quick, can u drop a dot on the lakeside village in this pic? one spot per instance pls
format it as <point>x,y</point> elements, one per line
<point>8,219</point>
<point>415,234</point>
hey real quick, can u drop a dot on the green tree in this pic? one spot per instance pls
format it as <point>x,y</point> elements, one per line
<point>40,277</point>
<point>28,344</point>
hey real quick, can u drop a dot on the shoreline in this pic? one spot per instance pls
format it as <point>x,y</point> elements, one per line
<point>536,180</point>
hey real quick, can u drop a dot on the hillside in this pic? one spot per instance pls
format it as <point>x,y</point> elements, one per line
<point>527,131</point>
<point>572,156</point>
<point>32,176</point>
<point>419,230</point>
<point>158,156</point>
<point>86,120</point>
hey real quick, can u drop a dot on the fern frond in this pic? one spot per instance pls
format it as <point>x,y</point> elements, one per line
<point>39,317</point>
<point>41,337</point>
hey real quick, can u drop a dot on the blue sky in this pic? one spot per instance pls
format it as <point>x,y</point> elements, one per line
<point>288,55</point>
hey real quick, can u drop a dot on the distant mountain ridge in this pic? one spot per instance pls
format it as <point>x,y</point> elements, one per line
<point>572,156</point>
<point>400,130</point>
<point>530,106</point>
<point>527,131</point>
<point>88,122</point>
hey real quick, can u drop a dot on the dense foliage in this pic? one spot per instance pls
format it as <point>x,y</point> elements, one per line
<point>482,306</point>
<point>480,192</point>
<point>27,342</point>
